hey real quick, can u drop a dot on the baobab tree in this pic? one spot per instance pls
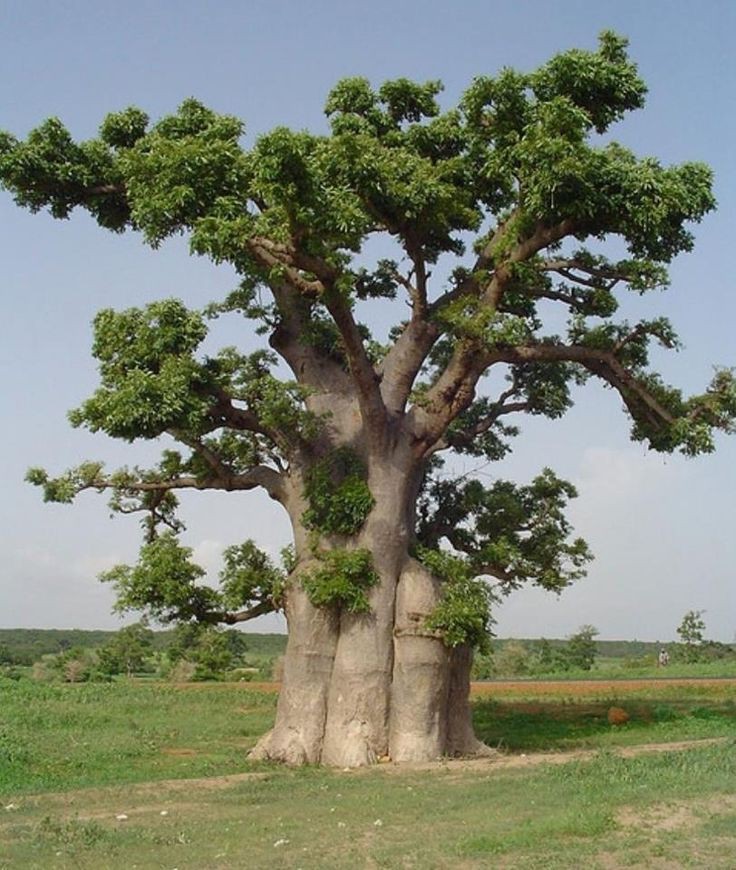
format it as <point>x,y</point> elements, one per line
<point>498,210</point>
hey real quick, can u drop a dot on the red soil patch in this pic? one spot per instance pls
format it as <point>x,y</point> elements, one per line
<point>538,688</point>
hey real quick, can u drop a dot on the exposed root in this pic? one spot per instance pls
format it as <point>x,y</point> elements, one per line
<point>352,750</point>
<point>285,746</point>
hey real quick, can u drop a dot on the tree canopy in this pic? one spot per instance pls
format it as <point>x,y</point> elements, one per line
<point>499,209</point>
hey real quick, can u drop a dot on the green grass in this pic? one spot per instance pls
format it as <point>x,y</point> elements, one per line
<point>571,815</point>
<point>609,668</point>
<point>555,725</point>
<point>129,742</point>
<point>631,669</point>
<point>56,737</point>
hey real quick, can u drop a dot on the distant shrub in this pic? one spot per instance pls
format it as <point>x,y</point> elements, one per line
<point>127,651</point>
<point>210,653</point>
<point>182,672</point>
<point>71,666</point>
<point>482,667</point>
<point>512,660</point>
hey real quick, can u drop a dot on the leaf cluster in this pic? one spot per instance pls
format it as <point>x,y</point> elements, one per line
<point>341,580</point>
<point>165,584</point>
<point>149,379</point>
<point>514,533</point>
<point>338,494</point>
<point>463,614</point>
<point>248,574</point>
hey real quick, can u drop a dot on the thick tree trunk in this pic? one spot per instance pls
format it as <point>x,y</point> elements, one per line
<point>357,727</point>
<point>419,693</point>
<point>461,739</point>
<point>298,734</point>
<point>359,687</point>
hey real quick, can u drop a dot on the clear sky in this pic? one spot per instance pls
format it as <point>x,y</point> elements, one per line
<point>662,528</point>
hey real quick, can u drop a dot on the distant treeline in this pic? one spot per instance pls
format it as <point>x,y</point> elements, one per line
<point>613,649</point>
<point>24,646</point>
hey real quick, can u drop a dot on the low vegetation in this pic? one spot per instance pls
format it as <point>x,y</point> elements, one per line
<point>189,653</point>
<point>101,775</point>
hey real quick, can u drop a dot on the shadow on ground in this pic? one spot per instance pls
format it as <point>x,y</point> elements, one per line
<point>532,726</point>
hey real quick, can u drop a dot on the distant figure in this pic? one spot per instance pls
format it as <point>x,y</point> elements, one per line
<point>664,658</point>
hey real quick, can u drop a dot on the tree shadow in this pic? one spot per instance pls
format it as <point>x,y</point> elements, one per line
<point>543,725</point>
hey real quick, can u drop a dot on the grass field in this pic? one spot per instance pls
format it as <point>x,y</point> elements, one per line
<point>568,790</point>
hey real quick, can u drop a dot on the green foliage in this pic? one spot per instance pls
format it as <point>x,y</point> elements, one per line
<point>73,665</point>
<point>150,382</point>
<point>7,657</point>
<point>463,615</point>
<point>691,629</point>
<point>339,497</point>
<point>124,129</point>
<point>514,533</point>
<point>212,651</point>
<point>248,574</point>
<point>29,645</point>
<point>692,634</point>
<point>581,648</point>
<point>278,404</point>
<point>513,659</point>
<point>604,85</point>
<point>163,585</point>
<point>127,651</point>
<point>341,580</point>
<point>63,489</point>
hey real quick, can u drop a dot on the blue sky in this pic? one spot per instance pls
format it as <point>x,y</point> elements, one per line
<point>661,528</point>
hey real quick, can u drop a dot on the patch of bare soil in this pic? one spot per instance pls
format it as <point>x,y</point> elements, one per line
<point>131,800</point>
<point>498,761</point>
<point>675,816</point>
<point>568,688</point>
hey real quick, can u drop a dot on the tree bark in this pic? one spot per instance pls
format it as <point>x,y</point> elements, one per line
<point>298,734</point>
<point>419,693</point>
<point>357,727</point>
<point>360,687</point>
<point>461,739</point>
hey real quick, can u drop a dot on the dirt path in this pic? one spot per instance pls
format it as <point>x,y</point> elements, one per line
<point>155,797</point>
<point>532,759</point>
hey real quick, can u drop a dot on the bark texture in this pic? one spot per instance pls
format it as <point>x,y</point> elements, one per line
<point>358,687</point>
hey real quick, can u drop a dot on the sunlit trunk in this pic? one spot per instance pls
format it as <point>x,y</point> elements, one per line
<point>360,687</point>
